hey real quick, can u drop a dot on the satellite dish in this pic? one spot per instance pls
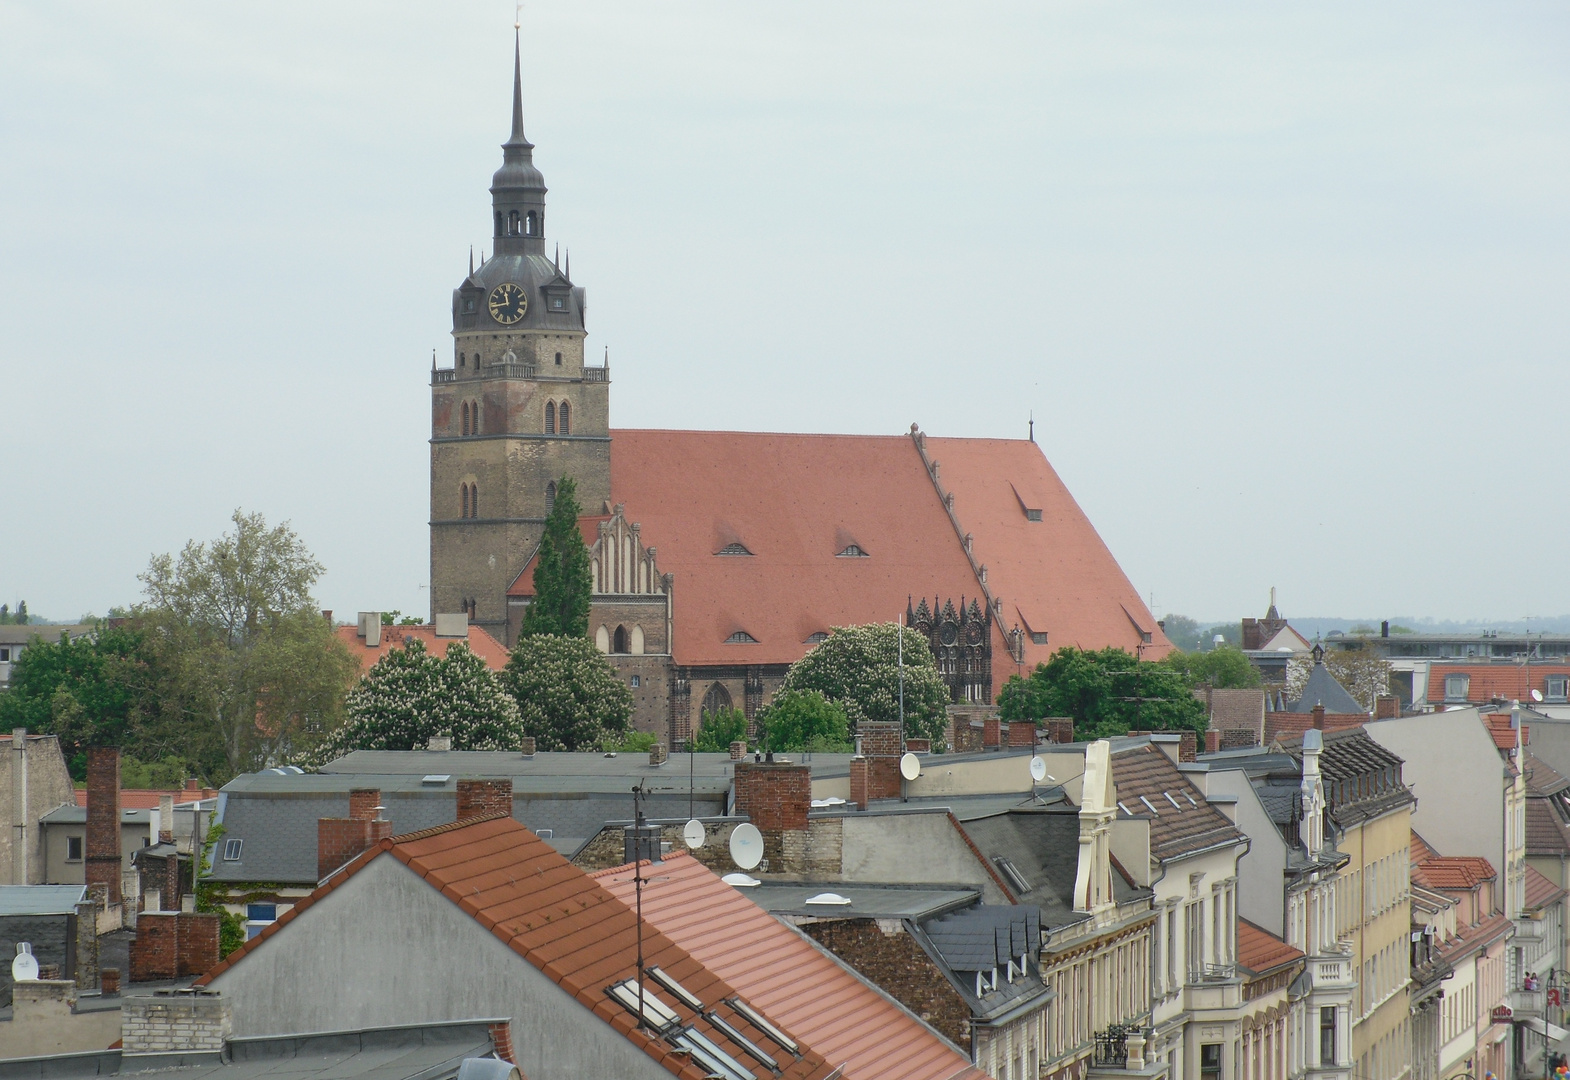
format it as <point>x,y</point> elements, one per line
<point>1038,769</point>
<point>746,845</point>
<point>1537,695</point>
<point>693,834</point>
<point>24,968</point>
<point>909,766</point>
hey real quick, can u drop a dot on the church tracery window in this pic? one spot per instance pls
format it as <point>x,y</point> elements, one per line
<point>465,428</point>
<point>474,500</point>
<point>619,640</point>
<point>564,419</point>
<point>716,700</point>
<point>550,418</point>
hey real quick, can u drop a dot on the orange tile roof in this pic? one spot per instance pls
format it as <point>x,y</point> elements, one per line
<point>393,637</point>
<point>1260,951</point>
<point>561,921</point>
<point>1453,872</point>
<point>1055,575</point>
<point>1289,725</point>
<point>1501,731</point>
<point>1540,891</point>
<point>1495,682</point>
<point>1420,851</point>
<point>794,982</point>
<point>795,502</point>
<point>147,798</point>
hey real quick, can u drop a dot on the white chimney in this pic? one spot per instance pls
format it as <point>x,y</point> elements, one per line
<point>370,628</point>
<point>456,626</point>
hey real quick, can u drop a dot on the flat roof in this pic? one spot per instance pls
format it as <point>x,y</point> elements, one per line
<point>866,901</point>
<point>40,899</point>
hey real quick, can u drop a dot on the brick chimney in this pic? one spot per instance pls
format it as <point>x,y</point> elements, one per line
<point>1387,707</point>
<point>880,745</point>
<point>481,798</point>
<point>1022,733</point>
<point>860,781</point>
<point>738,751</point>
<point>1212,741</point>
<point>991,732</point>
<point>1318,714</point>
<point>338,840</point>
<point>166,819</point>
<point>773,794</point>
<point>1060,729</point>
<point>103,819</point>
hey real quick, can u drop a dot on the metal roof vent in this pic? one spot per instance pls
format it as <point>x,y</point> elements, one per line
<point>435,779</point>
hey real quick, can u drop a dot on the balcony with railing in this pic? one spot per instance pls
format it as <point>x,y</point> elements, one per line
<point>1212,986</point>
<point>1119,1054</point>
<point>441,375</point>
<point>597,374</point>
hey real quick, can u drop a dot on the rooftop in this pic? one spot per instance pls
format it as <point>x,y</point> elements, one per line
<point>799,985</point>
<point>40,899</point>
<point>479,640</point>
<point>569,927</point>
<point>1181,821</point>
<point>864,901</point>
<point>1259,952</point>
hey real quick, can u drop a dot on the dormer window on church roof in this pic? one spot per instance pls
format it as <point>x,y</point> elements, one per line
<point>733,548</point>
<point>741,637</point>
<point>852,551</point>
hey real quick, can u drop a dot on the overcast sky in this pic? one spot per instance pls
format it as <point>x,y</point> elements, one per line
<point>1287,287</point>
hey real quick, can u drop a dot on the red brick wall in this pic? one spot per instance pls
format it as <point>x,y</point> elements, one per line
<point>338,840</point>
<point>1022,733</point>
<point>197,945</point>
<point>898,965</point>
<point>1060,729</point>
<point>363,803</point>
<point>103,819</point>
<point>155,951</point>
<point>480,798</point>
<point>773,795</point>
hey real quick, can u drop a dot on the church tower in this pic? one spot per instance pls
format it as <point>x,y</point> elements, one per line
<point>518,410</point>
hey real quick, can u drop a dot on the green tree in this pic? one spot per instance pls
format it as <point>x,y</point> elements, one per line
<point>568,695</point>
<point>251,662</point>
<point>562,582</point>
<point>1222,667</point>
<point>804,720</point>
<point>1184,632</point>
<point>1107,692</point>
<point>858,668</point>
<point>719,730</point>
<point>99,689</point>
<point>409,695</point>
<point>18,619</point>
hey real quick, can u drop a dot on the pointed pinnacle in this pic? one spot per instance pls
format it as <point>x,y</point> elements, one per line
<point>517,89</point>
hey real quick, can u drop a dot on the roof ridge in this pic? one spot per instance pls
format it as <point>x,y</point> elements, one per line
<point>437,830</point>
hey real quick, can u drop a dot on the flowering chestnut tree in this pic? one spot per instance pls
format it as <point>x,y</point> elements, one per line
<point>858,669</point>
<point>568,695</point>
<point>411,695</point>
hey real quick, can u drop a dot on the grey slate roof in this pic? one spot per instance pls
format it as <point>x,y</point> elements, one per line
<point>1322,689</point>
<point>1043,846</point>
<point>40,899</point>
<point>274,815</point>
<point>985,938</point>
<point>427,1052</point>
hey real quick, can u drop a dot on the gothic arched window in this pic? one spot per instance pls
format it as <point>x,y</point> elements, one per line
<point>564,419</point>
<point>558,359</point>
<point>550,495</point>
<point>717,699</point>
<point>550,418</point>
<point>474,500</point>
<point>463,494</point>
<point>474,418</point>
<point>466,418</point>
<point>619,640</point>
<point>463,360</point>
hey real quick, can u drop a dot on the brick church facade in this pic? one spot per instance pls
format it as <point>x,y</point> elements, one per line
<point>720,558</point>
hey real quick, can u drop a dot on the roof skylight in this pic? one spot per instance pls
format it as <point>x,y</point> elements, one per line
<point>830,899</point>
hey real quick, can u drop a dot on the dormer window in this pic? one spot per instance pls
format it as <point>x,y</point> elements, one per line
<point>734,548</point>
<point>741,637</point>
<point>1456,687</point>
<point>1032,515</point>
<point>852,551</point>
<point>816,638</point>
<point>1557,688</point>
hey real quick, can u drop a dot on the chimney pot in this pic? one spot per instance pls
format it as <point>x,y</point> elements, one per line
<point>481,798</point>
<point>526,746</point>
<point>166,819</point>
<point>1319,717</point>
<point>439,743</point>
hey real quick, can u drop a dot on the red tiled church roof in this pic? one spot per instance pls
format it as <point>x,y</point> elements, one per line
<point>795,502</point>
<point>787,976</point>
<point>1054,576</point>
<point>557,918</point>
<point>485,646</point>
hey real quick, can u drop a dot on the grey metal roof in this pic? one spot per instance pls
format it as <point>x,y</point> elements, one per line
<point>986,936</point>
<point>1322,689</point>
<point>542,772</point>
<point>866,901</point>
<point>427,1052</point>
<point>40,899</point>
<point>71,814</point>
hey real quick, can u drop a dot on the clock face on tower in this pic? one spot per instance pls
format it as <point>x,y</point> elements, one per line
<point>508,303</point>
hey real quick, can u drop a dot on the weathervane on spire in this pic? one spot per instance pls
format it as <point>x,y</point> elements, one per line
<point>517,16</point>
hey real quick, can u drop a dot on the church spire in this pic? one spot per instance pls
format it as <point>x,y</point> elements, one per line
<point>517,138</point>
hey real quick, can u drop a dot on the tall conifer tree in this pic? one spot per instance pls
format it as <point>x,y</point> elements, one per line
<point>562,582</point>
